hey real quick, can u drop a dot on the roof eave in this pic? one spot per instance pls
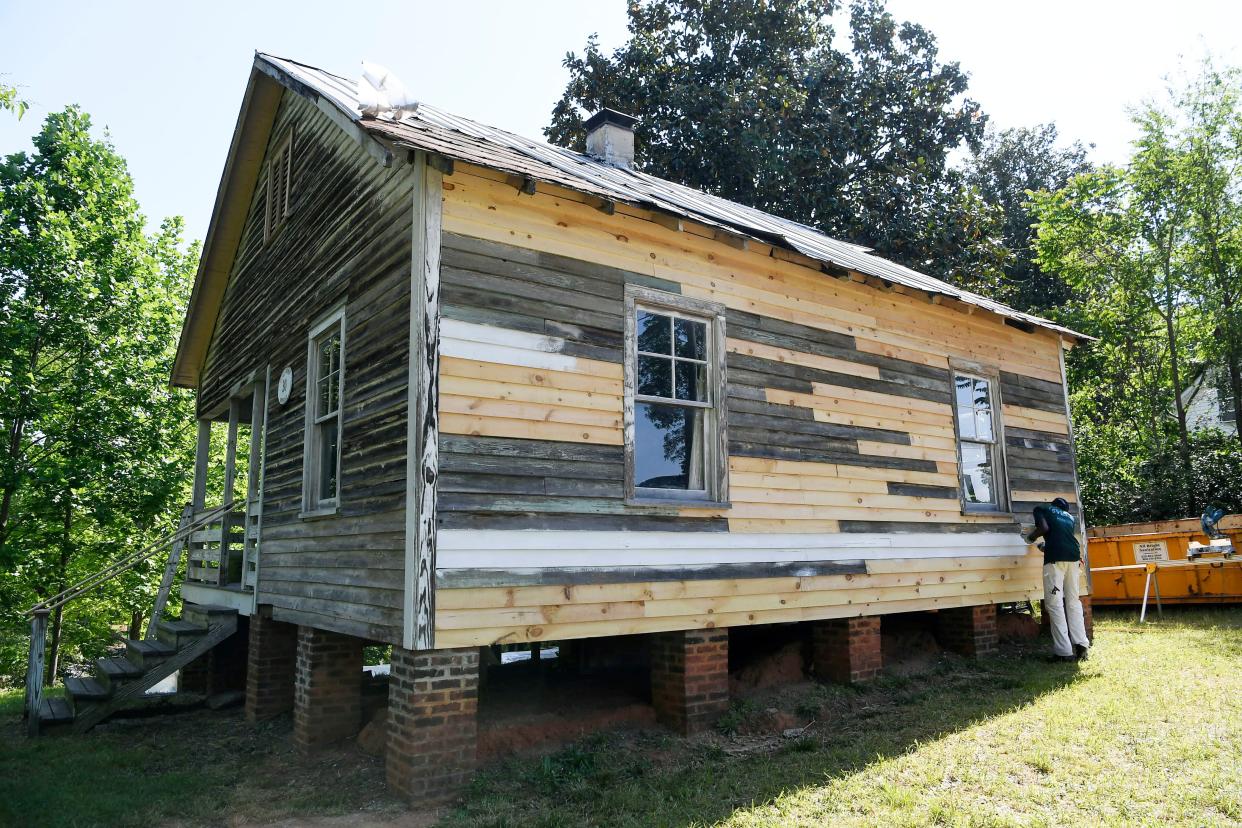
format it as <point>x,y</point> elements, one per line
<point>228,218</point>
<point>264,88</point>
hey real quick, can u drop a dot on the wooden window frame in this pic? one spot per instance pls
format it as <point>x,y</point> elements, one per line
<point>312,505</point>
<point>274,217</point>
<point>991,375</point>
<point>715,417</point>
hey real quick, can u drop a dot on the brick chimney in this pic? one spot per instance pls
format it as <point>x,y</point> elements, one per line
<point>610,137</point>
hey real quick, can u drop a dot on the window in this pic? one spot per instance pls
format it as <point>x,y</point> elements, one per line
<point>279,175</point>
<point>980,441</point>
<point>325,378</point>
<point>676,447</point>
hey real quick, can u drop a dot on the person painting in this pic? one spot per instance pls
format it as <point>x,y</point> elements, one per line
<point>1062,554</point>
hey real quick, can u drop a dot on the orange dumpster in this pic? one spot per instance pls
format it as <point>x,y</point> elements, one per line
<point>1119,557</point>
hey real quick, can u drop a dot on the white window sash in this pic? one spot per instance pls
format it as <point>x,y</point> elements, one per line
<point>709,453</point>
<point>312,477</point>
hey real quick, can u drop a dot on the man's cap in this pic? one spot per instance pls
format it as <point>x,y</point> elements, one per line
<point>1061,503</point>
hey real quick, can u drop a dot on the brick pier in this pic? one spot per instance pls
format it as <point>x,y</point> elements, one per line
<point>327,704</point>
<point>433,700</point>
<point>847,650</point>
<point>271,663</point>
<point>968,631</point>
<point>690,678</point>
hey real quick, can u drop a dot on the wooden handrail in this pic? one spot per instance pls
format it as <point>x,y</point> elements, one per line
<point>128,562</point>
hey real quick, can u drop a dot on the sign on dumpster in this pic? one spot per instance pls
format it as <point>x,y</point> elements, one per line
<point>1150,551</point>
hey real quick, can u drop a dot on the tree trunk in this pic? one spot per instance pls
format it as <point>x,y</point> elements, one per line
<point>135,624</point>
<point>17,433</point>
<point>62,577</point>
<point>1183,437</point>
<point>1235,385</point>
<point>53,653</point>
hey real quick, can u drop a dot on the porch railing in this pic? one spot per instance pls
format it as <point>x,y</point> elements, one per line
<point>214,551</point>
<point>173,544</point>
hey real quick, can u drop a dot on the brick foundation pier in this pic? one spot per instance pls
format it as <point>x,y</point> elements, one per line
<point>847,650</point>
<point>968,631</point>
<point>690,678</point>
<point>327,703</point>
<point>433,699</point>
<point>271,664</point>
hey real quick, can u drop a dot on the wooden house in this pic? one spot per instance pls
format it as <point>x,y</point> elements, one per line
<point>493,391</point>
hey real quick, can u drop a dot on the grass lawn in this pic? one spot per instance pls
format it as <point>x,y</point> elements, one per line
<point>1148,732</point>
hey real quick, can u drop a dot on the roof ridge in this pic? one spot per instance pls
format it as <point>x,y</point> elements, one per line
<point>510,152</point>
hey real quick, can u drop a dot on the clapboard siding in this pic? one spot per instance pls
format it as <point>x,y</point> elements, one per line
<point>837,385</point>
<point>841,448</point>
<point>346,241</point>
<point>539,608</point>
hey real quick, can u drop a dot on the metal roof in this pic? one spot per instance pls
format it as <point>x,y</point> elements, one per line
<point>434,130</point>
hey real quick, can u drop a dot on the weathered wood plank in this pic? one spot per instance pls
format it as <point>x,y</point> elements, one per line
<point>579,576</point>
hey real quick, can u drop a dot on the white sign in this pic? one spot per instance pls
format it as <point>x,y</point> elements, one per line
<point>285,385</point>
<point>1149,551</point>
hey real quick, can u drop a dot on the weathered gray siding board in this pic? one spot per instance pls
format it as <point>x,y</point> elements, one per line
<point>553,520</point>
<point>346,241</point>
<point>753,414</point>
<point>773,445</point>
<point>891,382</point>
<point>323,615</point>
<point>583,576</point>
<point>917,490</point>
<point>781,334</point>
<point>1032,393</point>
<point>901,527</point>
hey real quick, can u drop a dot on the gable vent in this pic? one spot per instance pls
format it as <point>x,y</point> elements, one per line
<point>279,186</point>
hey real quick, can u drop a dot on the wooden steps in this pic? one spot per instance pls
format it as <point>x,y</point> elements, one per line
<point>55,711</point>
<point>147,654</point>
<point>120,679</point>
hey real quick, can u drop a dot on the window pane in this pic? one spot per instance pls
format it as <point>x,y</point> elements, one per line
<point>977,482</point>
<point>965,391</point>
<point>324,389</point>
<point>966,422</point>
<point>655,333</point>
<point>983,425</point>
<point>329,349</point>
<point>655,376</point>
<point>329,445</point>
<point>983,394</point>
<point>690,338</point>
<point>691,381</point>
<point>668,447</point>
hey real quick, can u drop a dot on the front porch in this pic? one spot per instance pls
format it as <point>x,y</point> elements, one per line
<point>222,555</point>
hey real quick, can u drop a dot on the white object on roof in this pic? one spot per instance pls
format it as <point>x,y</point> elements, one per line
<point>381,93</point>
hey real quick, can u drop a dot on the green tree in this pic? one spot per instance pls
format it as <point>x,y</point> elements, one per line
<point>96,444</point>
<point>10,101</point>
<point>1152,251</point>
<point>1006,168</point>
<point>752,100</point>
<point>1209,113</point>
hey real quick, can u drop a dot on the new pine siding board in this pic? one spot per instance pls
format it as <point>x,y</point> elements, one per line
<point>346,241</point>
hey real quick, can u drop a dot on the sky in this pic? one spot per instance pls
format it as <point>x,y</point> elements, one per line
<point>166,79</point>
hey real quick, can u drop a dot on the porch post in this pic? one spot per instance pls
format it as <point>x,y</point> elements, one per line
<point>199,494</point>
<point>258,413</point>
<point>230,472</point>
<point>34,670</point>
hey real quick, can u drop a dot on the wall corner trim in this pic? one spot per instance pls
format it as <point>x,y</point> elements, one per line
<point>422,449</point>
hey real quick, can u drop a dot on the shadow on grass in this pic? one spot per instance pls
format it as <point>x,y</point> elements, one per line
<point>641,779</point>
<point>202,768</point>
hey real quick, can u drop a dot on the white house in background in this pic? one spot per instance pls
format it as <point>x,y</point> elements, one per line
<point>1208,401</point>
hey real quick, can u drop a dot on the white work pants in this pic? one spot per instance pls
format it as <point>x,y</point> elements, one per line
<point>1063,607</point>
